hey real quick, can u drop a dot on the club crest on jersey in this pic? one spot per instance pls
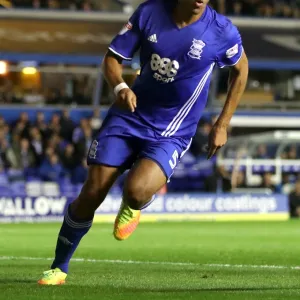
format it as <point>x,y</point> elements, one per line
<point>196,49</point>
<point>126,28</point>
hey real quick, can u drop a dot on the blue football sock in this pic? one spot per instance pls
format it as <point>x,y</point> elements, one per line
<point>69,237</point>
<point>149,203</point>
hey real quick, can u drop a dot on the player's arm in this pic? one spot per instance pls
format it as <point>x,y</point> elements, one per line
<point>112,69</point>
<point>238,76</point>
<point>230,54</point>
<point>123,47</point>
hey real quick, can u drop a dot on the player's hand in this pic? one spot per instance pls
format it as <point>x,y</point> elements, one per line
<point>216,139</point>
<point>126,99</point>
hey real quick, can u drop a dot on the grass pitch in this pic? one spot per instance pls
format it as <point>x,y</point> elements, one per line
<point>160,261</point>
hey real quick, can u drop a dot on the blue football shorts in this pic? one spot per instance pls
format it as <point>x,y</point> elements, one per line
<point>121,142</point>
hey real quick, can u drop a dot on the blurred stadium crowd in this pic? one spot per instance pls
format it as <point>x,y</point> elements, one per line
<point>224,180</point>
<point>262,8</point>
<point>55,150</point>
<point>46,150</point>
<point>85,5</point>
<point>266,8</point>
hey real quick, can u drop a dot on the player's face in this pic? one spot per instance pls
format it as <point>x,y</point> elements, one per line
<point>196,6</point>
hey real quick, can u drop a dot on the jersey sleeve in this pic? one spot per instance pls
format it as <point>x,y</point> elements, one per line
<point>127,42</point>
<point>231,48</point>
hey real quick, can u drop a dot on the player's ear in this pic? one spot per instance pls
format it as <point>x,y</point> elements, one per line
<point>111,54</point>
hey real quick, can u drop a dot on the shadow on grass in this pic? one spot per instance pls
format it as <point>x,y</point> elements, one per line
<point>16,281</point>
<point>217,289</point>
<point>123,289</point>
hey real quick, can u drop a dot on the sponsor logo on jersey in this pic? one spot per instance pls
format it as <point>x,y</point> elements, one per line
<point>165,69</point>
<point>196,49</point>
<point>232,51</point>
<point>126,28</point>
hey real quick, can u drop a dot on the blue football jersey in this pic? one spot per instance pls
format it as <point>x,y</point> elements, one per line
<point>176,64</point>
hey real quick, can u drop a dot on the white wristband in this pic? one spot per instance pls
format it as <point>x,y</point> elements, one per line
<point>120,87</point>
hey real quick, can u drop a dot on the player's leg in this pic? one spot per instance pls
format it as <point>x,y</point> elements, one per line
<point>155,166</point>
<point>106,158</point>
<point>79,216</point>
<point>78,221</point>
<point>144,180</point>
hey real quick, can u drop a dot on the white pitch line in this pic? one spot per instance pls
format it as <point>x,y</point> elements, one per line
<point>166,263</point>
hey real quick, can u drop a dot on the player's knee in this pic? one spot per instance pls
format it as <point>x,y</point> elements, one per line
<point>135,196</point>
<point>92,194</point>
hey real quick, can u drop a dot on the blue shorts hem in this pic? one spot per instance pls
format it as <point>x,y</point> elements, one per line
<point>158,163</point>
<point>121,168</point>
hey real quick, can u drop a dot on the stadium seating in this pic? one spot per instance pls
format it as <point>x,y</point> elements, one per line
<point>288,9</point>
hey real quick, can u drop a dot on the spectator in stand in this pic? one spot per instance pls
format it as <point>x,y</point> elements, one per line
<point>287,8</point>
<point>286,186</point>
<point>67,126</point>
<point>41,124</point>
<point>6,132</point>
<point>7,94</point>
<point>37,144</point>
<point>49,151</point>
<point>201,139</point>
<point>53,4</point>
<point>87,5</point>
<point>78,132</point>
<point>57,143</point>
<point>219,5</point>
<point>292,153</point>
<point>2,121</point>
<point>28,159</point>
<point>72,6</point>
<point>69,159</point>
<point>36,4</point>
<point>3,134</point>
<point>262,152</point>
<point>3,154</point>
<point>22,125</point>
<point>84,143</point>
<point>219,181</point>
<point>294,201</point>
<point>80,173</point>
<point>24,118</point>
<point>52,169</point>
<point>54,127</point>
<point>19,130</point>
<point>267,182</point>
<point>20,156</point>
<point>80,97</point>
<point>238,180</point>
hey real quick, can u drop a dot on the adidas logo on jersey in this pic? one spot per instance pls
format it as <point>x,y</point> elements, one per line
<point>152,38</point>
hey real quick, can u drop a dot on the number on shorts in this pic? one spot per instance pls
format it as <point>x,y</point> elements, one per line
<point>173,162</point>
